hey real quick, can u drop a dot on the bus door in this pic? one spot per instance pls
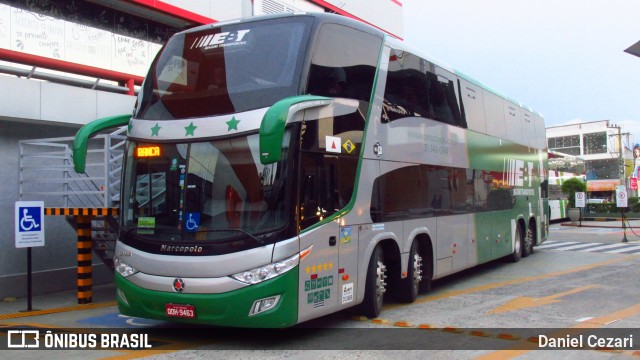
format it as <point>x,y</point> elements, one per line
<point>330,145</point>
<point>319,270</point>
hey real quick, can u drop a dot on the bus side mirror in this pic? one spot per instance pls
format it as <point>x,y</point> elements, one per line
<point>275,120</point>
<point>82,137</point>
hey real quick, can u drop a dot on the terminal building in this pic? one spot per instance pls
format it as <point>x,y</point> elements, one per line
<point>64,64</point>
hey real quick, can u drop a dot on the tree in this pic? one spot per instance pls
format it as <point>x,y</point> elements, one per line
<point>570,187</point>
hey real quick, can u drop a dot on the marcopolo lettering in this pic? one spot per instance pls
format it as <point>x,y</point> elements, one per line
<point>181,249</point>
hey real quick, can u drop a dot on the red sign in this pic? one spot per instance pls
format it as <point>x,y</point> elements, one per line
<point>633,183</point>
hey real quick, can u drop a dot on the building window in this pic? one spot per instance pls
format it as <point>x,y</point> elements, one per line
<point>594,143</point>
<point>565,144</point>
<point>602,169</point>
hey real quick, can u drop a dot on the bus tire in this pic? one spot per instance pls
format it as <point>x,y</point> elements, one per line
<point>410,286</point>
<point>427,268</point>
<point>518,245</point>
<point>375,286</point>
<point>529,240</point>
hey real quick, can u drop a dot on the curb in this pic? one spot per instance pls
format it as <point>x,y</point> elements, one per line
<point>618,226</point>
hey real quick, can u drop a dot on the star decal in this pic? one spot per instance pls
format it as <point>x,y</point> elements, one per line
<point>232,124</point>
<point>190,129</point>
<point>155,130</point>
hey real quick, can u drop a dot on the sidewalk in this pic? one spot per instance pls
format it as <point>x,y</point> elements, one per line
<point>602,222</point>
<point>10,308</point>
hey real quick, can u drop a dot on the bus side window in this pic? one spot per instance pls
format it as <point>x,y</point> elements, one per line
<point>405,93</point>
<point>443,105</point>
<point>318,181</point>
<point>326,186</point>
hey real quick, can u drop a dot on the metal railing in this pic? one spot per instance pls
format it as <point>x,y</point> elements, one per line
<point>46,171</point>
<point>54,64</point>
<point>67,80</point>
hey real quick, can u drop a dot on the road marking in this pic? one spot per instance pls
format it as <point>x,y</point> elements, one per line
<point>57,310</point>
<point>511,282</point>
<point>618,248</point>
<point>608,246</point>
<point>625,249</point>
<point>524,302</point>
<point>580,246</point>
<point>557,244</point>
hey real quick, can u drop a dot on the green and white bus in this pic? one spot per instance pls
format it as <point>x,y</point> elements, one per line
<point>282,168</point>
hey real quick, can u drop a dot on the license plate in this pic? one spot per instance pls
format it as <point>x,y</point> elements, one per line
<point>181,311</point>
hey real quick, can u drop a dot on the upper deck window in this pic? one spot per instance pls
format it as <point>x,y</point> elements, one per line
<point>344,63</point>
<point>227,69</point>
<point>418,88</point>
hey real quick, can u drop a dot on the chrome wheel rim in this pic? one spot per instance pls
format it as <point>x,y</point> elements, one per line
<point>381,284</point>
<point>417,271</point>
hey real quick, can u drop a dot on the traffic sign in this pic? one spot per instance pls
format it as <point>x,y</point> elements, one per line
<point>580,199</point>
<point>621,196</point>
<point>29,223</point>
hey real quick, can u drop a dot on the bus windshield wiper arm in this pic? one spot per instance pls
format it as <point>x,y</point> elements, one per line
<point>160,229</point>
<point>245,232</point>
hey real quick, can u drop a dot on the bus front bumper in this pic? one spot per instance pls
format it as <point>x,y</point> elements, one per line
<point>226,309</point>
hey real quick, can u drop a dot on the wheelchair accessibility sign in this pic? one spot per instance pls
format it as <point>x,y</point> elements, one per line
<point>29,223</point>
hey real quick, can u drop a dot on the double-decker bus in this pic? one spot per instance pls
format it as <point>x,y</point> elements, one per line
<point>282,168</point>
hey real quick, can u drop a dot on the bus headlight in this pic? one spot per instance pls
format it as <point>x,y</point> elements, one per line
<point>258,275</point>
<point>123,268</point>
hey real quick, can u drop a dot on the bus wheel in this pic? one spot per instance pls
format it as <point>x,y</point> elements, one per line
<point>410,285</point>
<point>518,245</point>
<point>529,240</point>
<point>375,286</point>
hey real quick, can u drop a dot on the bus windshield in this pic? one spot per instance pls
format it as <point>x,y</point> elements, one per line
<point>225,69</point>
<point>209,192</point>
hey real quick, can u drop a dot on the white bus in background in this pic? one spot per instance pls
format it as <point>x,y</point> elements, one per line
<point>558,203</point>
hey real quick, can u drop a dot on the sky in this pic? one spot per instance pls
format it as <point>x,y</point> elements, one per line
<point>564,59</point>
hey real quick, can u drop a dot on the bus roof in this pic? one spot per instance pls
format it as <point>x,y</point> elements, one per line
<point>333,18</point>
<point>322,17</point>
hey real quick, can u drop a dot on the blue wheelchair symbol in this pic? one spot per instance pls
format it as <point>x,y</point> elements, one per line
<point>192,222</point>
<point>29,218</point>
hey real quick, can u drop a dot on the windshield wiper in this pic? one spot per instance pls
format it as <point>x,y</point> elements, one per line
<point>149,232</point>
<point>160,229</point>
<point>257,239</point>
<point>244,232</point>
